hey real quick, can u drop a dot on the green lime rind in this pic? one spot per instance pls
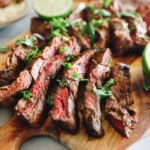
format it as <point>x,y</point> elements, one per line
<point>47,16</point>
<point>146,61</point>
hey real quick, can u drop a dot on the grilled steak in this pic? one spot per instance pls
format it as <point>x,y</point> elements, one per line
<point>91,104</point>
<point>144,10</point>
<point>117,105</point>
<point>22,82</point>
<point>120,38</point>
<point>138,32</point>
<point>15,63</point>
<point>32,111</point>
<point>40,27</point>
<point>64,108</point>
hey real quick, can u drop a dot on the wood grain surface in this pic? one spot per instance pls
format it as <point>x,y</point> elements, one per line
<point>15,132</point>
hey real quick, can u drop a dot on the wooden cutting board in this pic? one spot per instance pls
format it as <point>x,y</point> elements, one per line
<point>15,132</point>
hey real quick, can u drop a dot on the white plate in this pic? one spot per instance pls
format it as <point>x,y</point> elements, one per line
<point>24,10</point>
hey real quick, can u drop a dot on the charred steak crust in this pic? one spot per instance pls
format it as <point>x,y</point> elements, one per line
<point>91,103</point>
<point>64,109</point>
<point>117,105</point>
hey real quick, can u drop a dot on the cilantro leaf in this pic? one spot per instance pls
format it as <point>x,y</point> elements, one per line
<point>69,58</point>
<point>129,13</point>
<point>62,83</point>
<point>104,91</point>
<point>67,65</point>
<point>106,3</point>
<point>50,101</point>
<point>27,95</point>
<point>32,54</point>
<point>28,41</point>
<point>75,75</point>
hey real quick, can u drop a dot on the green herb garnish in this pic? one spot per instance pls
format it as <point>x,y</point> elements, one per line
<point>50,101</point>
<point>84,80</point>
<point>75,75</point>
<point>3,49</point>
<point>110,63</point>
<point>62,83</point>
<point>61,49</point>
<point>129,13</point>
<point>28,41</point>
<point>104,91</point>
<point>32,54</point>
<point>69,58</point>
<point>67,65</point>
<point>27,95</point>
<point>106,3</point>
<point>102,12</point>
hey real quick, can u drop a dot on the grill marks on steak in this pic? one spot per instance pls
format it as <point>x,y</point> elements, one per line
<point>91,104</point>
<point>117,105</point>
<point>64,109</point>
<point>32,111</point>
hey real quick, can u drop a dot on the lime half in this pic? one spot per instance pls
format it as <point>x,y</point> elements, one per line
<point>47,9</point>
<point>146,61</point>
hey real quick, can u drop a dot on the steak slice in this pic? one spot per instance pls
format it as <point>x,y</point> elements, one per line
<point>64,109</point>
<point>117,105</point>
<point>120,39</point>
<point>7,93</point>
<point>40,27</point>
<point>15,63</point>
<point>91,105</point>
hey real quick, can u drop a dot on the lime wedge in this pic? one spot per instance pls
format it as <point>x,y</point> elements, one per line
<point>146,61</point>
<point>47,9</point>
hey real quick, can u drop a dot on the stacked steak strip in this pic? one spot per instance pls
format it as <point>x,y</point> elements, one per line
<point>64,110</point>
<point>31,73</point>
<point>32,110</point>
<point>91,104</point>
<point>117,105</point>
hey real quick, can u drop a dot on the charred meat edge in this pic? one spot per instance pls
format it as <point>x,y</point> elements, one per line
<point>117,108</point>
<point>91,104</point>
<point>64,109</point>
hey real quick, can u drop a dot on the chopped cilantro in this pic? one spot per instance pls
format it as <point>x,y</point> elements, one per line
<point>106,3</point>
<point>50,101</point>
<point>84,80</point>
<point>62,83</point>
<point>32,54</point>
<point>67,65</point>
<point>110,63</point>
<point>75,75</point>
<point>104,91</point>
<point>28,41</point>
<point>61,49</point>
<point>27,95</point>
<point>69,58</point>
<point>129,13</point>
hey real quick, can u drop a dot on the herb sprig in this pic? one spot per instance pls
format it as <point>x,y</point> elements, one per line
<point>104,91</point>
